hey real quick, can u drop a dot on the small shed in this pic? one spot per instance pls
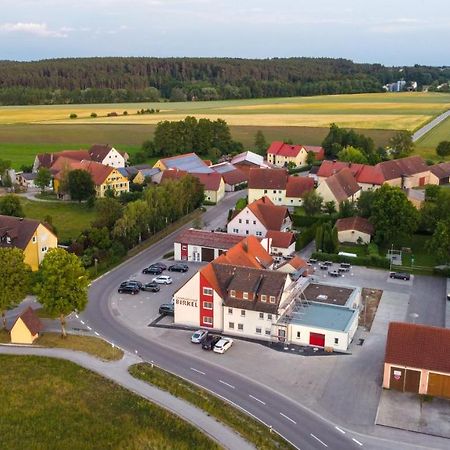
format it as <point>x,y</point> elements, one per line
<point>26,328</point>
<point>354,230</point>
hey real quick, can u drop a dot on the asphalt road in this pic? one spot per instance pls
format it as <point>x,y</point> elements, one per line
<point>429,126</point>
<point>301,427</point>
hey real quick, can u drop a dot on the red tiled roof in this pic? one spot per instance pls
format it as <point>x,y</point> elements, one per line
<point>31,321</point>
<point>319,152</point>
<point>299,186</point>
<point>343,185</point>
<point>267,179</point>
<point>208,239</point>
<point>270,215</point>
<point>329,168</point>
<point>370,175</point>
<point>99,172</point>
<point>396,168</point>
<point>172,174</point>
<point>355,223</point>
<point>281,239</point>
<point>211,181</point>
<point>282,149</point>
<point>419,346</point>
<point>98,152</point>
<point>297,263</point>
<point>48,159</point>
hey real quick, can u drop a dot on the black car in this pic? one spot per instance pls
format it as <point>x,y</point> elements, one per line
<point>400,275</point>
<point>153,270</point>
<point>160,264</point>
<point>323,266</point>
<point>178,268</point>
<point>129,289</point>
<point>167,309</point>
<point>210,341</point>
<point>150,287</point>
<point>343,269</point>
<point>131,282</point>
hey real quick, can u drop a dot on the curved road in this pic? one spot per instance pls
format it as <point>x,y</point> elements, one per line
<point>301,427</point>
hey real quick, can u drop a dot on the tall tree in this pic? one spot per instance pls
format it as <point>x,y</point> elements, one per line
<point>10,206</point>
<point>352,154</point>
<point>81,186</point>
<point>63,285</point>
<point>109,210</point>
<point>260,143</point>
<point>443,149</point>
<point>393,215</point>
<point>14,279</point>
<point>312,203</point>
<point>43,178</point>
<point>402,144</point>
<point>439,244</point>
<point>365,203</point>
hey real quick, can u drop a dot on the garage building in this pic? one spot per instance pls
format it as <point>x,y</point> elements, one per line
<point>417,359</point>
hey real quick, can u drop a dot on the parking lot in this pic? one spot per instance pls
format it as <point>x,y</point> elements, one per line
<point>142,309</point>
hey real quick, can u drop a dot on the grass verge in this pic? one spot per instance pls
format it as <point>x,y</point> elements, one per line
<point>249,428</point>
<point>51,403</point>
<point>88,344</point>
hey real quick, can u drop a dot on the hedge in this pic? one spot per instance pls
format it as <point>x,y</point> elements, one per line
<point>442,271</point>
<point>372,261</point>
<point>306,236</point>
<point>307,221</point>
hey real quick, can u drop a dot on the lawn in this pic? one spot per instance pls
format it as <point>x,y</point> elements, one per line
<point>70,219</point>
<point>50,403</point>
<point>427,145</point>
<point>250,429</point>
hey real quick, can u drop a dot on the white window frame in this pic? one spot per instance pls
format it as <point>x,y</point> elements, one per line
<point>261,316</point>
<point>232,293</point>
<point>258,330</point>
<point>240,327</point>
<point>230,311</point>
<point>206,305</point>
<point>272,299</point>
<point>264,298</point>
<point>231,325</point>
<point>208,291</point>
<point>208,320</point>
<point>269,316</point>
<point>245,295</point>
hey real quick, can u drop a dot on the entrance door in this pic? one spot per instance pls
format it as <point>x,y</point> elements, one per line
<point>397,380</point>
<point>422,181</point>
<point>207,254</point>
<point>439,385</point>
<point>412,381</point>
<point>405,381</point>
<point>317,339</point>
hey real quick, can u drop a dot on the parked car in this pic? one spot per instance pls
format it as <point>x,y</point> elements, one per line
<point>210,341</point>
<point>312,261</point>
<point>223,345</point>
<point>167,309</point>
<point>150,287</point>
<point>199,336</point>
<point>178,268</point>
<point>162,279</point>
<point>323,266</point>
<point>334,273</point>
<point>328,263</point>
<point>129,289</point>
<point>160,264</point>
<point>152,270</point>
<point>346,266</point>
<point>343,269</point>
<point>133,282</point>
<point>400,275</point>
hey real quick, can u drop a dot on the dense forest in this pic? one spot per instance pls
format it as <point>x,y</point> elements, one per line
<point>104,80</point>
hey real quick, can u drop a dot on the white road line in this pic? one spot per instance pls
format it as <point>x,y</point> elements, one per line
<point>339,429</point>
<point>288,418</point>
<point>88,327</point>
<point>96,333</point>
<point>82,322</point>
<point>318,440</point>
<point>198,371</point>
<point>359,443</point>
<point>255,398</point>
<point>226,384</point>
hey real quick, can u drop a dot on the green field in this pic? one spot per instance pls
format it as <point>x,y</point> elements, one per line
<point>49,403</point>
<point>427,145</point>
<point>70,219</point>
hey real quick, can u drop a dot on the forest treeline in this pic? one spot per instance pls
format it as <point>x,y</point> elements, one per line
<point>105,80</point>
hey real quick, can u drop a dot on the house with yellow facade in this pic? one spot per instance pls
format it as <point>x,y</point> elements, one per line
<point>104,177</point>
<point>31,236</point>
<point>26,328</point>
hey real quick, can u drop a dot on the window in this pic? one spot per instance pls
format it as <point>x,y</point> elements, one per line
<point>336,340</point>
<point>274,192</point>
<point>232,293</point>
<point>298,334</point>
<point>246,231</point>
<point>230,310</point>
<point>207,291</point>
<point>235,230</point>
<point>44,249</point>
<point>240,326</point>
<point>207,305</point>
<point>258,330</point>
<point>281,333</point>
<point>258,233</point>
<point>272,299</point>
<point>267,332</point>
<point>254,222</point>
<point>240,220</point>
<point>231,325</point>
<point>261,315</point>
<point>246,221</point>
<point>265,191</point>
<point>279,199</point>
<point>269,316</point>
<point>207,320</point>
<point>264,298</point>
<point>242,312</point>
<point>34,239</point>
<point>245,295</point>
<point>279,192</point>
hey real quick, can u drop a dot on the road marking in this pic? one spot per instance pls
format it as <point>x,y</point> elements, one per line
<point>198,371</point>
<point>318,440</point>
<point>342,431</point>
<point>288,418</point>
<point>96,333</point>
<point>226,384</point>
<point>82,321</point>
<point>255,398</point>
<point>88,327</point>
<point>359,443</point>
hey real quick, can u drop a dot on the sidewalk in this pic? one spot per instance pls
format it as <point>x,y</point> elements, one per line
<point>117,371</point>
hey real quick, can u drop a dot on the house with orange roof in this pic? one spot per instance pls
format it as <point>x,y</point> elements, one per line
<point>281,154</point>
<point>297,266</point>
<point>258,217</point>
<point>281,243</point>
<point>339,187</point>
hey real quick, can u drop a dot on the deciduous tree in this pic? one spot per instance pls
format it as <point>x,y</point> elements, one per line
<point>10,206</point>
<point>312,203</point>
<point>260,143</point>
<point>352,154</point>
<point>43,178</point>
<point>439,244</point>
<point>80,184</point>
<point>402,144</point>
<point>443,148</point>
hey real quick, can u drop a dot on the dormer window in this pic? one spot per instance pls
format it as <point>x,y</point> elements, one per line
<point>232,293</point>
<point>264,298</point>
<point>272,299</point>
<point>245,295</point>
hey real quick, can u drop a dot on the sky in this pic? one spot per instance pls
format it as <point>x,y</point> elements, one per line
<point>390,32</point>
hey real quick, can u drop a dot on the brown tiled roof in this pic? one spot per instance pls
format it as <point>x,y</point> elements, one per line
<point>172,174</point>
<point>343,185</point>
<point>98,152</point>
<point>267,179</point>
<point>418,346</point>
<point>208,239</point>
<point>329,168</point>
<point>397,168</point>
<point>99,172</point>
<point>19,230</point>
<point>48,159</point>
<point>325,293</point>
<point>355,223</point>
<point>441,170</point>
<point>31,321</point>
<point>298,186</point>
<point>270,215</point>
<point>281,239</point>
<point>211,181</point>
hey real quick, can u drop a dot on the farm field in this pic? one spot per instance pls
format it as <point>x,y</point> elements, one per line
<point>51,403</point>
<point>427,145</point>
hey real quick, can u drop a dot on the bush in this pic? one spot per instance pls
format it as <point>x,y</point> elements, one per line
<point>442,271</point>
<point>125,113</point>
<point>73,116</point>
<point>307,221</point>
<point>299,169</point>
<point>372,249</point>
<point>306,236</point>
<point>370,261</point>
<point>93,115</point>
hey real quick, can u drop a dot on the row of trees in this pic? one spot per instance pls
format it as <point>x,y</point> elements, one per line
<point>106,80</point>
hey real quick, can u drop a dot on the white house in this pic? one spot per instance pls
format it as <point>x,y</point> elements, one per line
<point>356,230</point>
<point>282,243</point>
<point>108,156</point>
